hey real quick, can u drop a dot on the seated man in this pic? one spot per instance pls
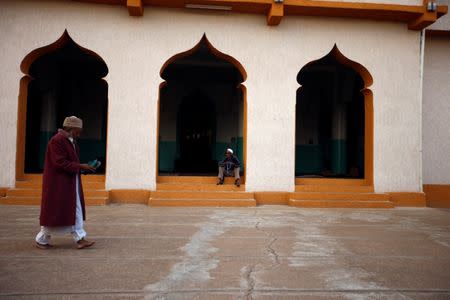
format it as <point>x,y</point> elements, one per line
<point>229,166</point>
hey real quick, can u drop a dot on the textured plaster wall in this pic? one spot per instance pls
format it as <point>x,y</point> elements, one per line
<point>136,48</point>
<point>436,111</point>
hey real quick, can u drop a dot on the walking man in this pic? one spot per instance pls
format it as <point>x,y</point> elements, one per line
<point>229,166</point>
<point>62,205</point>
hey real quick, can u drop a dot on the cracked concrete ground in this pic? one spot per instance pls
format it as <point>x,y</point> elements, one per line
<point>267,252</point>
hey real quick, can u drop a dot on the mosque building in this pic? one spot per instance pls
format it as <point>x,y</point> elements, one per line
<point>325,103</point>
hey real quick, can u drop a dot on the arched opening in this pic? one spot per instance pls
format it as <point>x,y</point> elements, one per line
<point>62,79</point>
<point>196,132</point>
<point>202,109</point>
<point>334,120</point>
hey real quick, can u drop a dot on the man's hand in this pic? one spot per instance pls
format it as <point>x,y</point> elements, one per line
<point>87,167</point>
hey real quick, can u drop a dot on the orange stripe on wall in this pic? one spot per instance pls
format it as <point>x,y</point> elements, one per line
<point>129,196</point>
<point>3,192</point>
<point>409,199</point>
<point>272,198</point>
<point>437,195</point>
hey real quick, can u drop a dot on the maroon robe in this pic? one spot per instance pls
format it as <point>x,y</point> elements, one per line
<point>62,165</point>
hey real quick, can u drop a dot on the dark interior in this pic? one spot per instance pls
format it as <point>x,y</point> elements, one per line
<point>66,82</point>
<point>329,121</point>
<point>199,79</point>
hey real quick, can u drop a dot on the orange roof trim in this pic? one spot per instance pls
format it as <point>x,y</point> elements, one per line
<point>416,16</point>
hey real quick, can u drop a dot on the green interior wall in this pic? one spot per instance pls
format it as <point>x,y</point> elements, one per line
<point>308,159</point>
<point>227,119</point>
<point>44,137</point>
<point>168,152</point>
<point>339,157</point>
<point>90,148</point>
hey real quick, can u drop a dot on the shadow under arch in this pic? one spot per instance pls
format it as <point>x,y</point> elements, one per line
<point>202,45</point>
<point>363,97</point>
<point>51,64</point>
<point>336,55</point>
<point>63,41</point>
<point>201,70</point>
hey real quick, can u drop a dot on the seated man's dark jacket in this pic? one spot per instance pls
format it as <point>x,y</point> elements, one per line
<point>229,164</point>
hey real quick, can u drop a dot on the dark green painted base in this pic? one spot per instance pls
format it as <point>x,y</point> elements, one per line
<point>168,153</point>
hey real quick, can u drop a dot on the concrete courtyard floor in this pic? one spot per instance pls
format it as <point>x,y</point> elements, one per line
<point>267,252</point>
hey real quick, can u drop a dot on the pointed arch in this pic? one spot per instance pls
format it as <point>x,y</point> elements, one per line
<point>336,54</point>
<point>204,43</point>
<point>208,64</point>
<point>336,58</point>
<point>87,65</point>
<point>64,41</point>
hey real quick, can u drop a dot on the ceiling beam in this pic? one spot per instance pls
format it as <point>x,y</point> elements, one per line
<point>135,8</point>
<point>275,15</point>
<point>423,21</point>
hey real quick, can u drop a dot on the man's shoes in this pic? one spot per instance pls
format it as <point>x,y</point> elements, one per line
<point>237,182</point>
<point>43,246</point>
<point>81,244</point>
<point>220,182</point>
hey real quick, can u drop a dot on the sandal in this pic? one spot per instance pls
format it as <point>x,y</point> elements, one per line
<point>81,244</point>
<point>43,246</point>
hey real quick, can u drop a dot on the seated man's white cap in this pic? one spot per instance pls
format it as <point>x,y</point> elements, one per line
<point>73,122</point>
<point>229,150</point>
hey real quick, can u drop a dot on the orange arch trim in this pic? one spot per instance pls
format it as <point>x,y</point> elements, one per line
<point>343,60</point>
<point>240,86</point>
<point>368,125</point>
<point>23,93</point>
<point>61,42</point>
<point>214,51</point>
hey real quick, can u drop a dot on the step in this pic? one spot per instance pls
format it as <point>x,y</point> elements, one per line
<point>12,200</point>
<point>95,201</point>
<point>194,179</point>
<point>330,181</point>
<point>154,201</point>
<point>91,178</point>
<point>96,185</point>
<point>198,187</point>
<point>340,196</point>
<point>340,204</point>
<point>38,193</point>
<point>201,195</point>
<point>334,188</point>
<point>3,192</point>
<point>32,176</point>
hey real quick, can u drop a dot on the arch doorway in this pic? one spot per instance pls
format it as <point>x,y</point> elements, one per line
<point>62,79</point>
<point>334,127</point>
<point>202,111</point>
<point>196,133</point>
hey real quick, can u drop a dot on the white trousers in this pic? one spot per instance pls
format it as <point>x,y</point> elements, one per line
<point>236,172</point>
<point>77,230</point>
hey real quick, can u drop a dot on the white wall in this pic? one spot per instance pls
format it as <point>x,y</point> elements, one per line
<point>136,48</point>
<point>436,111</point>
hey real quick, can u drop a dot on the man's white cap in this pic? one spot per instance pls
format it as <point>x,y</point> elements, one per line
<point>73,122</point>
<point>229,150</point>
